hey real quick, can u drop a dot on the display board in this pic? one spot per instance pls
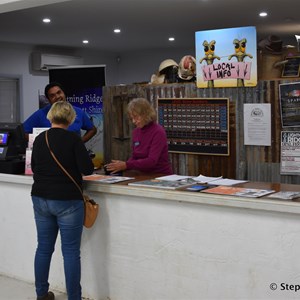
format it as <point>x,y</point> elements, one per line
<point>195,125</point>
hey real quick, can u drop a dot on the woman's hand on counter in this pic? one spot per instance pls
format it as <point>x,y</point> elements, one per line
<point>116,166</point>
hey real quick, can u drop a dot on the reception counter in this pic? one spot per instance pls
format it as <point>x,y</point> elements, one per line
<point>154,244</point>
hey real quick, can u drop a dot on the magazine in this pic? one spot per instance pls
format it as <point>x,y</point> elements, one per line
<point>285,195</point>
<point>160,184</point>
<point>238,191</point>
<point>196,188</point>
<point>106,178</point>
<point>202,179</point>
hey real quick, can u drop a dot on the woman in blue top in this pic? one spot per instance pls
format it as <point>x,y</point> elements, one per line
<point>54,92</point>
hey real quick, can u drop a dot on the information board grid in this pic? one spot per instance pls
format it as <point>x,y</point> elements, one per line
<point>195,125</point>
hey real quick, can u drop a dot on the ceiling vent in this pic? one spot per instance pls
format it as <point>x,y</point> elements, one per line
<point>44,61</point>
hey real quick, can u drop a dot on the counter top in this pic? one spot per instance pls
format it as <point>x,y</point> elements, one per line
<point>262,203</point>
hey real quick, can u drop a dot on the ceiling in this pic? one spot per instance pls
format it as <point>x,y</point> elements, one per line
<point>144,24</point>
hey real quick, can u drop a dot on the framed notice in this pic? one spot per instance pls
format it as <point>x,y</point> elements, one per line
<point>291,67</point>
<point>290,153</point>
<point>195,125</point>
<point>289,94</point>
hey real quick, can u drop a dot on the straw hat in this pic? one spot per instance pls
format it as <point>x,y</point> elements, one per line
<point>167,63</point>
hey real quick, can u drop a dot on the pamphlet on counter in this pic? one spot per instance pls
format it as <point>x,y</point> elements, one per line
<point>202,179</point>
<point>106,178</point>
<point>161,184</point>
<point>238,191</point>
<point>285,195</point>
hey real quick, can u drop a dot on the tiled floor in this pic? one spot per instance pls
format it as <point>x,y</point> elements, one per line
<point>12,289</point>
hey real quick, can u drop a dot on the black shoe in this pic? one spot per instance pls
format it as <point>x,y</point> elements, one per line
<point>49,296</point>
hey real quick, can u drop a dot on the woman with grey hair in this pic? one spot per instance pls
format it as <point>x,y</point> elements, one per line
<point>149,142</point>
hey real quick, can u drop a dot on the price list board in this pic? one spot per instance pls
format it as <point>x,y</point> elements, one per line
<point>195,125</point>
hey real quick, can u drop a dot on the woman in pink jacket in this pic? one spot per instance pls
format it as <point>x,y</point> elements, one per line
<point>149,142</point>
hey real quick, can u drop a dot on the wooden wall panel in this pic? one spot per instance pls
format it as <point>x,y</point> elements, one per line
<point>255,163</point>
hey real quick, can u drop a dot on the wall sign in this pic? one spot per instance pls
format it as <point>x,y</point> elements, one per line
<point>290,153</point>
<point>195,125</point>
<point>290,104</point>
<point>226,57</point>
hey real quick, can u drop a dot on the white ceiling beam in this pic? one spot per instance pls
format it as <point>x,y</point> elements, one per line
<point>11,5</point>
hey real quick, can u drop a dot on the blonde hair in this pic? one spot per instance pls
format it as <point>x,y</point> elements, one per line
<point>61,112</point>
<point>143,108</point>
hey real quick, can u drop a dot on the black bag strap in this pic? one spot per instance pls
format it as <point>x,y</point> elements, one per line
<point>60,165</point>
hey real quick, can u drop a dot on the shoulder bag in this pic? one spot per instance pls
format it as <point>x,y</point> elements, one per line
<point>91,208</point>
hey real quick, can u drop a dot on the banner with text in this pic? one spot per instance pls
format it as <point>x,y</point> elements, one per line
<point>83,88</point>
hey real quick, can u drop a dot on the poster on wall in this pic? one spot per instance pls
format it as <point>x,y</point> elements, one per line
<point>226,57</point>
<point>289,94</point>
<point>257,124</point>
<point>83,88</point>
<point>290,153</point>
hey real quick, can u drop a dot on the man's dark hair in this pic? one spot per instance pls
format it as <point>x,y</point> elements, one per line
<point>51,85</point>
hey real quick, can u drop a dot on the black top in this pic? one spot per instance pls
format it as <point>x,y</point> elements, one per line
<point>49,179</point>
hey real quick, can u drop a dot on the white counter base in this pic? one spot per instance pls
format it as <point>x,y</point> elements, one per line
<point>163,245</point>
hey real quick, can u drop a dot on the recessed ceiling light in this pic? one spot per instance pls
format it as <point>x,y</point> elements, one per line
<point>117,30</point>
<point>85,41</point>
<point>263,14</point>
<point>46,20</point>
<point>171,39</point>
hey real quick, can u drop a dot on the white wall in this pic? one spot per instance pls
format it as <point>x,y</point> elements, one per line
<point>126,68</point>
<point>164,245</point>
<point>137,67</point>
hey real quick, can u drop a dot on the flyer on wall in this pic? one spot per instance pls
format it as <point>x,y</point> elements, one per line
<point>257,124</point>
<point>289,94</point>
<point>290,153</point>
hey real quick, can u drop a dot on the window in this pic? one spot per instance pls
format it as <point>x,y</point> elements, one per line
<point>9,100</point>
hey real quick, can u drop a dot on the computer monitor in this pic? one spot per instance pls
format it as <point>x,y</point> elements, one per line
<point>3,138</point>
<point>13,142</point>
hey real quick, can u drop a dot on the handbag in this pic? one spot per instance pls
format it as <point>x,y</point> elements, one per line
<point>91,208</point>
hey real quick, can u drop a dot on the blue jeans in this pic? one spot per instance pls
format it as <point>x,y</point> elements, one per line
<point>52,216</point>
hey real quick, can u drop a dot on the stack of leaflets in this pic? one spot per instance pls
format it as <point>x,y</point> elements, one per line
<point>106,178</point>
<point>206,179</point>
